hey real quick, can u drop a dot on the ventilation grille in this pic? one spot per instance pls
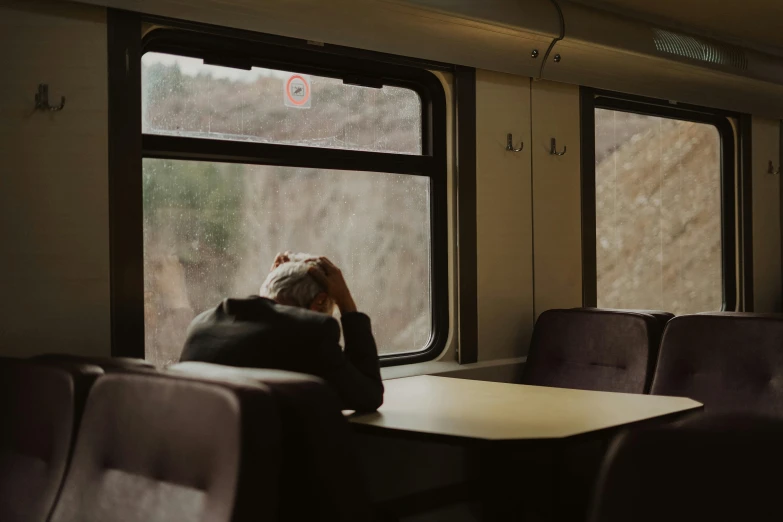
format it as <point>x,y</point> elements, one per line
<point>701,50</point>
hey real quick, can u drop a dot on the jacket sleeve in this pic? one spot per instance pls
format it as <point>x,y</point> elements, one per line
<point>354,373</point>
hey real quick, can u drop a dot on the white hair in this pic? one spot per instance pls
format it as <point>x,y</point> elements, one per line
<point>291,284</point>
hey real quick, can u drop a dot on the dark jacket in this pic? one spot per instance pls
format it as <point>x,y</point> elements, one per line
<point>259,333</point>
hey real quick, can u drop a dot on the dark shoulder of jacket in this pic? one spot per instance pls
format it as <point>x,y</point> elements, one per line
<point>228,311</point>
<point>256,309</point>
<point>320,325</point>
<point>205,318</point>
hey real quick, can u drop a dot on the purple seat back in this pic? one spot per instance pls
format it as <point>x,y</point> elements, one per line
<point>594,349</point>
<point>40,410</point>
<point>157,448</point>
<point>728,361</point>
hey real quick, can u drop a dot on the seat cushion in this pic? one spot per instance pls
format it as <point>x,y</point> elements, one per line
<point>728,362</point>
<point>40,409</point>
<point>593,349</point>
<point>155,448</point>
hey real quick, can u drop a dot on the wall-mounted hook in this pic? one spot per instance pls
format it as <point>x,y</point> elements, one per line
<point>510,144</point>
<point>771,169</point>
<point>553,150</point>
<point>42,100</point>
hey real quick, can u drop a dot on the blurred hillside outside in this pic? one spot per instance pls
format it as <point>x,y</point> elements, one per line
<point>211,230</point>
<point>658,213</point>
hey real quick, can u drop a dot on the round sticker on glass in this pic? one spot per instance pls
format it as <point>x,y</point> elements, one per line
<point>297,91</point>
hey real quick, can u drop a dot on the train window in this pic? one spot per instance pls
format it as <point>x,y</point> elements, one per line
<point>243,162</point>
<point>211,228</point>
<point>663,196</point>
<point>183,96</point>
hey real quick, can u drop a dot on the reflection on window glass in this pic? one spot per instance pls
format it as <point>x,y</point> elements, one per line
<point>211,231</point>
<point>184,97</point>
<point>658,213</point>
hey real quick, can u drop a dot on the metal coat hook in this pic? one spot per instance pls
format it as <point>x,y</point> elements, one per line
<point>510,144</point>
<point>553,150</point>
<point>771,169</point>
<point>42,100</point>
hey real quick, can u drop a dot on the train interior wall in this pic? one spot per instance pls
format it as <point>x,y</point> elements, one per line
<point>54,273</point>
<point>54,188</point>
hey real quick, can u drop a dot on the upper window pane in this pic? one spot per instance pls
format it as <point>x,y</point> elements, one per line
<point>211,231</point>
<point>658,213</point>
<point>182,96</point>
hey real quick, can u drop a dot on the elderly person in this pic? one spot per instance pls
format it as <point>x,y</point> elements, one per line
<point>289,326</point>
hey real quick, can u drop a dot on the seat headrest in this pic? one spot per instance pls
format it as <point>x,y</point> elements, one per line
<point>225,373</point>
<point>192,450</point>
<point>40,410</point>
<point>109,364</point>
<point>729,362</point>
<point>593,349</point>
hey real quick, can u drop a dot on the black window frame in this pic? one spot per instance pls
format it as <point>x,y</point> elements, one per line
<point>242,49</point>
<point>731,173</point>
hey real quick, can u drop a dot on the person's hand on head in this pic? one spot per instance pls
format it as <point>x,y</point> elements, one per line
<point>331,278</point>
<point>285,257</point>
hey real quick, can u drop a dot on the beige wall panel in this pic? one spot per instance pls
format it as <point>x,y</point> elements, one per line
<point>54,271</point>
<point>618,70</point>
<point>613,52</point>
<point>503,207</point>
<point>491,34</point>
<point>557,218</point>
<point>751,20</point>
<point>766,216</point>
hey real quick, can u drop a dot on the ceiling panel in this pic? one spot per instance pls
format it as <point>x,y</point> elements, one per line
<point>756,23</point>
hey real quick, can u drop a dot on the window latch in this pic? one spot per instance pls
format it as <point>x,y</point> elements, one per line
<point>225,61</point>
<point>364,81</point>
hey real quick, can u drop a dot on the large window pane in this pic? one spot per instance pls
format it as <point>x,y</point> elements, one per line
<point>658,213</point>
<point>211,231</point>
<point>182,96</point>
